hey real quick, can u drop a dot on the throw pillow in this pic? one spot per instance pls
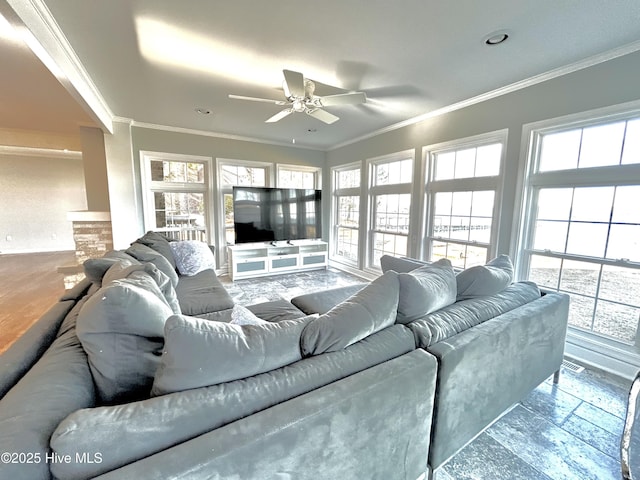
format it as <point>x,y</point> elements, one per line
<point>242,316</point>
<point>159,243</point>
<point>483,280</point>
<point>192,257</point>
<point>200,353</point>
<point>425,290</point>
<point>400,264</point>
<point>364,313</point>
<point>121,270</point>
<point>121,329</point>
<point>143,253</point>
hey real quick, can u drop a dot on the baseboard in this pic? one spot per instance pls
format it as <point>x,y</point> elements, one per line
<point>35,250</point>
<point>618,362</point>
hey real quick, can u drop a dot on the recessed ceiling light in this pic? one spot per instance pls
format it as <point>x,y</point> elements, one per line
<point>496,38</point>
<point>312,130</point>
<point>203,111</point>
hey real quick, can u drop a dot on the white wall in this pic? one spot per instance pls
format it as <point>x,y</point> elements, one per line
<point>608,83</point>
<point>36,193</point>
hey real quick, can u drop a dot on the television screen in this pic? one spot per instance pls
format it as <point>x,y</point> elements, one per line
<point>262,214</point>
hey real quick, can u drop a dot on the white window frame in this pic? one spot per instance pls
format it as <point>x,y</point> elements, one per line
<point>149,187</point>
<point>345,192</point>
<point>227,189</point>
<point>369,206</point>
<point>493,183</point>
<point>588,347</point>
<point>300,168</point>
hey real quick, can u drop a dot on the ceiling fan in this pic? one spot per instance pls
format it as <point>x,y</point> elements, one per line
<point>300,97</point>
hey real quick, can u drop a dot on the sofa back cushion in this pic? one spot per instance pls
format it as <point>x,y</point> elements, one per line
<point>120,271</point>
<point>143,253</point>
<point>95,268</point>
<point>159,243</point>
<point>200,353</point>
<point>400,264</point>
<point>121,329</point>
<point>465,314</point>
<point>425,290</point>
<point>364,313</point>
<point>484,280</point>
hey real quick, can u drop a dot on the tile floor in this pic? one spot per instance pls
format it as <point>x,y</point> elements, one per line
<point>560,432</point>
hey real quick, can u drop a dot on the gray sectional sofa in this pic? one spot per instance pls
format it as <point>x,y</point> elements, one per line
<point>141,372</point>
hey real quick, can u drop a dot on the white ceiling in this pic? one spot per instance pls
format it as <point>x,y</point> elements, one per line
<point>156,61</point>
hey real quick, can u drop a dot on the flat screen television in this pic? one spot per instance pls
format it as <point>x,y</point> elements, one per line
<point>262,214</point>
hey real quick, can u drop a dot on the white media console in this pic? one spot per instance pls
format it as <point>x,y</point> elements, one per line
<point>259,259</point>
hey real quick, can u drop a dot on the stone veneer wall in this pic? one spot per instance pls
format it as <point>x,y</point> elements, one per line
<point>93,239</point>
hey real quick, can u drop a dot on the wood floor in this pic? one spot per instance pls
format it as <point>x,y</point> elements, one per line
<point>29,286</point>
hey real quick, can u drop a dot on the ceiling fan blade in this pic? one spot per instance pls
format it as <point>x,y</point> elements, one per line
<point>344,99</point>
<point>294,83</point>
<point>279,116</point>
<point>255,99</point>
<point>323,116</point>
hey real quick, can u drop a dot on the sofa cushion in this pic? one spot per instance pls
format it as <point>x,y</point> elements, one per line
<point>159,243</point>
<point>119,270</point>
<point>367,311</point>
<point>483,280</point>
<point>203,293</point>
<point>200,353</point>
<point>121,328</point>
<point>192,256</point>
<point>242,316</point>
<point>143,253</point>
<point>425,290</point>
<point>324,300</point>
<point>275,310</point>
<point>139,429</point>
<point>400,264</point>
<point>465,314</point>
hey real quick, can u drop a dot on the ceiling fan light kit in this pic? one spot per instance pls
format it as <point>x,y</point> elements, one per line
<point>300,98</point>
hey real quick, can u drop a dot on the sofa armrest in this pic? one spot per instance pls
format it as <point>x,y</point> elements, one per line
<point>374,424</point>
<point>488,368</point>
<point>27,349</point>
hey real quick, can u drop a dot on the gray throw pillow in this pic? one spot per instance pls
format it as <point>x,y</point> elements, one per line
<point>426,290</point>
<point>192,257</point>
<point>121,270</point>
<point>364,313</point>
<point>484,280</point>
<point>159,243</point>
<point>121,329</point>
<point>143,253</point>
<point>200,353</point>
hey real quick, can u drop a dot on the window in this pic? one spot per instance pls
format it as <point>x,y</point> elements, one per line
<point>230,174</point>
<point>175,193</point>
<point>462,189</point>
<point>581,234</point>
<point>291,176</point>
<point>390,197</point>
<point>346,213</point>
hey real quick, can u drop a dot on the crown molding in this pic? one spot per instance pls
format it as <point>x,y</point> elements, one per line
<point>9,150</point>
<point>498,92</point>
<point>206,133</point>
<point>43,35</point>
